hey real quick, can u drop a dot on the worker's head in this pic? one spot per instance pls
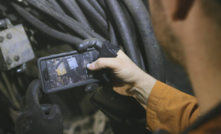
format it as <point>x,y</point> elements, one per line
<point>178,22</point>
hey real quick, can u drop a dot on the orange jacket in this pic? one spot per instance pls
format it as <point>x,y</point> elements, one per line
<point>173,110</point>
<point>170,109</point>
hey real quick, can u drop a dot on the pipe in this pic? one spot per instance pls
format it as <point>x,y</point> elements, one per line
<point>46,29</point>
<point>97,18</point>
<point>125,31</point>
<point>74,9</point>
<point>151,45</point>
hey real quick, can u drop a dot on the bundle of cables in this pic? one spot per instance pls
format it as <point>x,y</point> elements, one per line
<point>126,23</point>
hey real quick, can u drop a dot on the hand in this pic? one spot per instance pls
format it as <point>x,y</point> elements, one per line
<point>35,118</point>
<point>128,79</point>
<point>105,49</point>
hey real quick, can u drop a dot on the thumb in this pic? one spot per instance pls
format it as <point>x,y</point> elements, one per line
<point>103,63</point>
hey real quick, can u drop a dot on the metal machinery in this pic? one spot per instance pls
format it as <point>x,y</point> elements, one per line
<point>30,29</point>
<point>15,46</point>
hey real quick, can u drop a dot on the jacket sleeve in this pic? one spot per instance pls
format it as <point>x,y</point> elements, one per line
<point>170,109</point>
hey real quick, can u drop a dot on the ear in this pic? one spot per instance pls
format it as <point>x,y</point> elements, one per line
<point>178,9</point>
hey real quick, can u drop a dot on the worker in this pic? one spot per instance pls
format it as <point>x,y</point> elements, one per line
<point>189,31</point>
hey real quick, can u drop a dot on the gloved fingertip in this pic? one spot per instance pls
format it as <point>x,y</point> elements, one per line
<point>81,47</point>
<point>46,107</point>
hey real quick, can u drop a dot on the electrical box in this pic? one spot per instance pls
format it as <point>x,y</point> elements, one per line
<point>15,48</point>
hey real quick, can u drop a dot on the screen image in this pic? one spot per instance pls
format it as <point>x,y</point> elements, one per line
<point>70,69</point>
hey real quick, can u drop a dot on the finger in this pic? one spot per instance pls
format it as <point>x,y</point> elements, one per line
<point>91,87</point>
<point>103,63</point>
<point>33,92</point>
<point>55,110</point>
<point>46,107</point>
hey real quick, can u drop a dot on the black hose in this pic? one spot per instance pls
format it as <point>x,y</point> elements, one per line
<point>101,11</point>
<point>130,21</point>
<point>74,9</point>
<point>56,6</point>
<point>113,38</point>
<point>46,29</point>
<point>74,25</point>
<point>85,27</point>
<point>42,5</point>
<point>135,33</point>
<point>97,6</point>
<point>152,48</point>
<point>125,31</point>
<point>102,3</point>
<point>97,18</point>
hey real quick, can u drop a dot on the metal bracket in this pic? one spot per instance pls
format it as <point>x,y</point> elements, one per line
<point>15,48</point>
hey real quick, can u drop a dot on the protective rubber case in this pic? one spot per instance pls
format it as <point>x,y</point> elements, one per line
<point>66,70</point>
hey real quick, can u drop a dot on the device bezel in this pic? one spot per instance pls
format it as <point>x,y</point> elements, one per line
<point>79,84</point>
